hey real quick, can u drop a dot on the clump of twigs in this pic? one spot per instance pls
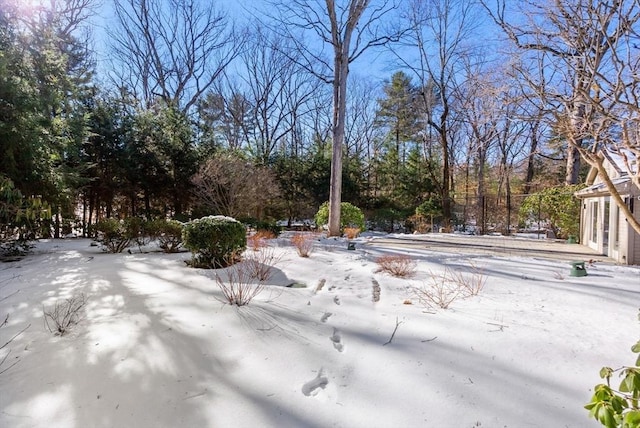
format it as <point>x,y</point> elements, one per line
<point>304,243</point>
<point>261,263</point>
<point>64,314</point>
<point>440,292</point>
<point>398,265</point>
<point>240,286</point>
<point>447,287</point>
<point>472,283</point>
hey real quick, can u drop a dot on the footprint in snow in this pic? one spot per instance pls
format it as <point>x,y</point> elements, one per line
<point>312,387</point>
<point>325,316</point>
<point>336,300</point>
<point>336,338</point>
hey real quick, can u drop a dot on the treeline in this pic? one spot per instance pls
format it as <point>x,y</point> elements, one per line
<point>195,115</point>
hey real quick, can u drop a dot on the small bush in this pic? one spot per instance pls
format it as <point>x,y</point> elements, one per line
<point>168,233</point>
<point>214,241</point>
<point>137,228</point>
<point>260,263</point>
<point>350,216</point>
<point>351,232</point>
<point>441,292</point>
<point>398,265</point>
<point>115,235</point>
<point>471,283</point>
<point>259,239</point>
<point>269,226</point>
<point>303,243</point>
<point>64,315</point>
<point>240,287</point>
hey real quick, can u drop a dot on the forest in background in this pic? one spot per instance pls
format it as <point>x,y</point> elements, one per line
<point>194,113</point>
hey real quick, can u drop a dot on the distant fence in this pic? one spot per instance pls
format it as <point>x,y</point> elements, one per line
<point>489,214</point>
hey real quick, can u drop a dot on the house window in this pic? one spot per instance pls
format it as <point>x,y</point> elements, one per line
<point>594,221</point>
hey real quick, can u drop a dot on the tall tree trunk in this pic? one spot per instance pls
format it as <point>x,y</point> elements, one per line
<point>341,68</point>
<point>573,165</point>
<point>533,148</point>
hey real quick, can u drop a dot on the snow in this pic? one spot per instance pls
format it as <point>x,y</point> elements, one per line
<point>156,347</point>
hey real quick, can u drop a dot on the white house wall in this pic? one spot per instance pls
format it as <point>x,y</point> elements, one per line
<point>628,243</point>
<point>632,235</point>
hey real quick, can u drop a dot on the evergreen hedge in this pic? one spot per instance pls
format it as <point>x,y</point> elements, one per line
<point>214,241</point>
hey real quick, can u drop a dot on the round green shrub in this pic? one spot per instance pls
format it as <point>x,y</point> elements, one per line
<point>214,241</point>
<point>168,233</point>
<point>350,216</point>
<point>115,235</point>
<point>137,229</point>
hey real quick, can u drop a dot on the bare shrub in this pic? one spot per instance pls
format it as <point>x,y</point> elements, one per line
<point>441,291</point>
<point>398,265</point>
<point>259,239</point>
<point>303,243</point>
<point>260,263</point>
<point>64,315</point>
<point>240,287</point>
<point>471,284</point>
<point>351,232</point>
<point>232,186</point>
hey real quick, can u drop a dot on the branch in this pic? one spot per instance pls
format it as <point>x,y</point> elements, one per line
<point>15,335</point>
<point>394,332</point>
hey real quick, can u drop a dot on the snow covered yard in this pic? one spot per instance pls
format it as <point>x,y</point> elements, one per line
<point>156,347</point>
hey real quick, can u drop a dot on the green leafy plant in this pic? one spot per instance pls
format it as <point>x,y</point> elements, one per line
<point>20,218</point>
<point>138,229</point>
<point>556,204</point>
<point>350,215</point>
<point>618,408</point>
<point>168,233</point>
<point>269,226</point>
<point>214,241</point>
<point>115,235</point>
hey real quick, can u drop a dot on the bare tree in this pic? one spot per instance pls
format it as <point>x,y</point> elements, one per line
<point>590,49</point>
<point>348,28</point>
<point>440,35</point>
<point>479,108</point>
<point>174,49</point>
<point>280,90</point>
<point>231,186</point>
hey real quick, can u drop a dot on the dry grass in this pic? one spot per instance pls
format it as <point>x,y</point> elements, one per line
<point>351,232</point>
<point>398,265</point>
<point>259,239</point>
<point>304,243</point>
